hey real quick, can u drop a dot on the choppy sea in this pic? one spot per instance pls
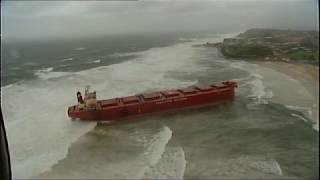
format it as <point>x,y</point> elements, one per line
<point>249,137</point>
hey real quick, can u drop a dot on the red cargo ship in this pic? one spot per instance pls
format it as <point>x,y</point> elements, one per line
<point>118,108</point>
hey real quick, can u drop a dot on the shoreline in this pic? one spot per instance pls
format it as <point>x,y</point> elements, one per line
<point>308,77</point>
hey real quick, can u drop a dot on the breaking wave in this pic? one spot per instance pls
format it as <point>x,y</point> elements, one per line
<point>266,166</point>
<point>154,148</point>
<point>47,73</point>
<point>45,70</point>
<point>67,59</point>
<point>172,165</point>
<point>127,54</point>
<point>97,61</point>
<point>300,117</point>
<point>258,92</point>
<point>39,107</point>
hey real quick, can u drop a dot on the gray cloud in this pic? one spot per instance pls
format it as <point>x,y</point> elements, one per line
<point>60,19</point>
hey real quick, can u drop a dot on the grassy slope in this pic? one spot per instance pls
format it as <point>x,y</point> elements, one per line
<point>246,51</point>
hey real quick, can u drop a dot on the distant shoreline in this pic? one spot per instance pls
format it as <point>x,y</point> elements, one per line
<point>303,72</point>
<point>307,75</point>
<point>271,45</point>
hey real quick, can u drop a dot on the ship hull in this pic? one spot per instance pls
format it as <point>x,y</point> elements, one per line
<point>173,100</point>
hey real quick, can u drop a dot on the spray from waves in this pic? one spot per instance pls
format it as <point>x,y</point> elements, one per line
<point>258,90</point>
<point>259,93</point>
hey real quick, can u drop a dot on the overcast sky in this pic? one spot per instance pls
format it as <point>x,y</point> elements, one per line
<point>59,19</point>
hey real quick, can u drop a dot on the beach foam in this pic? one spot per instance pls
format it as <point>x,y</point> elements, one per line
<point>269,85</point>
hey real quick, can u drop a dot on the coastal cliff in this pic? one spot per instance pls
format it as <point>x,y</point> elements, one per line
<point>272,45</point>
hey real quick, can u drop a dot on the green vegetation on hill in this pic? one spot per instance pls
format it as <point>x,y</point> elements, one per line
<point>302,55</point>
<point>246,51</point>
<point>273,44</point>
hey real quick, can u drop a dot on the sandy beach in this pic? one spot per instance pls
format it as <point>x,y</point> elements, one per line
<point>308,77</point>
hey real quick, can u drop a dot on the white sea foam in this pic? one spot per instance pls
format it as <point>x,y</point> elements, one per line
<point>316,126</point>
<point>155,147</point>
<point>38,130</point>
<point>35,111</point>
<point>300,117</point>
<point>300,108</point>
<point>97,61</point>
<point>67,59</point>
<point>255,80</point>
<point>259,165</point>
<point>172,165</point>
<point>307,112</point>
<point>80,48</point>
<point>123,54</point>
<point>46,69</point>
<point>267,166</point>
<point>45,74</point>
<point>258,90</point>
<point>270,85</point>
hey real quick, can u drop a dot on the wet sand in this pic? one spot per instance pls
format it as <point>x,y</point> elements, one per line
<point>308,76</point>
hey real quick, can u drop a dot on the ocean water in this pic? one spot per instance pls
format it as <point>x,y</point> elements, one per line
<point>250,137</point>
